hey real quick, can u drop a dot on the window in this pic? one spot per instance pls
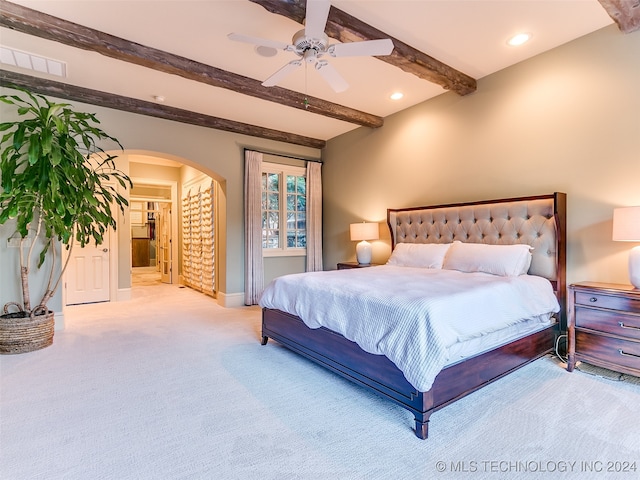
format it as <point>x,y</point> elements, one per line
<point>284,210</point>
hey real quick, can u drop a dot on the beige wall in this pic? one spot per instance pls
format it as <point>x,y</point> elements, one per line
<point>567,120</point>
<point>216,153</point>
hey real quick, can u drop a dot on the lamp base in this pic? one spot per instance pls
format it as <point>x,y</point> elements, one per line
<point>634,266</point>
<point>363,252</point>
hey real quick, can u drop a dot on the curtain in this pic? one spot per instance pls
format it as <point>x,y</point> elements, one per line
<point>314,217</point>
<point>253,265</point>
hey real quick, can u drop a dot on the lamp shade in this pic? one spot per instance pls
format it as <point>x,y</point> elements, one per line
<point>364,231</point>
<point>626,224</point>
<point>626,228</point>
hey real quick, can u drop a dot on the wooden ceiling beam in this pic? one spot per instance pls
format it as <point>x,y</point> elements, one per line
<point>33,22</point>
<point>141,107</point>
<point>626,13</point>
<point>346,28</point>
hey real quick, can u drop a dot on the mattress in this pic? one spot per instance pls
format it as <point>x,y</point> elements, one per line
<point>461,351</point>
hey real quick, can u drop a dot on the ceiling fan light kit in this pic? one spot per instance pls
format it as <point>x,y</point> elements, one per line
<point>311,44</point>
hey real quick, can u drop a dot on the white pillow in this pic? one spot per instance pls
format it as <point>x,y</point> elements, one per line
<point>423,255</point>
<point>503,260</point>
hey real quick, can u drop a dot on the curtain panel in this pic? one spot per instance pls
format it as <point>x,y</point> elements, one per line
<point>253,263</point>
<point>314,216</point>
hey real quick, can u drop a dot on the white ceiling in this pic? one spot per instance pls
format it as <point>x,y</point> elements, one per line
<point>469,35</point>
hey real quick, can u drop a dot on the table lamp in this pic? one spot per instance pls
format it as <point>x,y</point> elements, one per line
<point>626,228</point>
<point>363,232</point>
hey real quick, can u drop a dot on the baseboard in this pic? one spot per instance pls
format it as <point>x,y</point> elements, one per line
<point>230,300</point>
<point>123,294</point>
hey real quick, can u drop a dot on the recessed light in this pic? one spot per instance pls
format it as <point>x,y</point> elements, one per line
<point>519,39</point>
<point>396,96</point>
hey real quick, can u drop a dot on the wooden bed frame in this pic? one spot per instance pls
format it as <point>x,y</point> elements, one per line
<point>495,221</point>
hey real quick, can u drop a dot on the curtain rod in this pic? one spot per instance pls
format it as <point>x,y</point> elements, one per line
<point>283,155</point>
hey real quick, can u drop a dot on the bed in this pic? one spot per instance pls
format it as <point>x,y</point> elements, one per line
<point>537,221</point>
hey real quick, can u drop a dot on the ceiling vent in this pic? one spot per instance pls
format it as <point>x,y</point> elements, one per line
<point>16,58</point>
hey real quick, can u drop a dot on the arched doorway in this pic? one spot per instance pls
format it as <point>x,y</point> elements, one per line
<point>178,234</point>
<point>153,220</point>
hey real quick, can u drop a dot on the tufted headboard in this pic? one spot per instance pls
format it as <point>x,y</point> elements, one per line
<point>539,221</point>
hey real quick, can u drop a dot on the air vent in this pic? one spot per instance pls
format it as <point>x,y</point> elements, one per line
<point>17,58</point>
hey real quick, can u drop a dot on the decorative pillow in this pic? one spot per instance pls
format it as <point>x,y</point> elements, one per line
<point>424,255</point>
<point>503,260</point>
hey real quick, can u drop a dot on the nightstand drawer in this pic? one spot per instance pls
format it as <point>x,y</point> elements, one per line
<point>610,350</point>
<point>608,321</point>
<point>608,301</point>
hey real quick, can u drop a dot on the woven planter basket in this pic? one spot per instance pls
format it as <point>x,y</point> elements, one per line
<point>21,332</point>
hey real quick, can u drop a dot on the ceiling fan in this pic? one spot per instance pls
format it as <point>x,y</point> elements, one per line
<point>311,44</point>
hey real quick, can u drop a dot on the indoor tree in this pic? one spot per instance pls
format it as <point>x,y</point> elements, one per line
<point>56,183</point>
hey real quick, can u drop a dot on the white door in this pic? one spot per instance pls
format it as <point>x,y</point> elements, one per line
<point>164,241</point>
<point>87,276</point>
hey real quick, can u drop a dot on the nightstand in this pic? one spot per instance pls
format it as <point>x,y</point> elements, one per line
<point>604,326</point>
<point>346,265</point>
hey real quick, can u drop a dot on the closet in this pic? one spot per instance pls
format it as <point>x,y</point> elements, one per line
<point>198,269</point>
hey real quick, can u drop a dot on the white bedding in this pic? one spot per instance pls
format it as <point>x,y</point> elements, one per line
<point>411,315</point>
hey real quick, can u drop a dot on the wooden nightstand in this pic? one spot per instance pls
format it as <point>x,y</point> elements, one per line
<point>604,326</point>
<point>345,265</point>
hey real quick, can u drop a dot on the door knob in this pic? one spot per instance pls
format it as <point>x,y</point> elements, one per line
<point>105,250</point>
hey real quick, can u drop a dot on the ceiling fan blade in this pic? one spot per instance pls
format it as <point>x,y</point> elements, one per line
<point>361,49</point>
<point>280,74</point>
<point>316,18</point>
<point>331,76</point>
<point>263,42</point>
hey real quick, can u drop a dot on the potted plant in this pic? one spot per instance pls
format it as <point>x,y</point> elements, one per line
<point>57,185</point>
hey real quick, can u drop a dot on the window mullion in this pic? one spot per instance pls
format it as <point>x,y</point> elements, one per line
<point>283,211</point>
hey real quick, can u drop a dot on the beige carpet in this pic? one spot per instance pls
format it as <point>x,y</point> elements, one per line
<point>171,386</point>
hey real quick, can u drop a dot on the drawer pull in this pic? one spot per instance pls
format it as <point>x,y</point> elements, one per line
<point>627,326</point>
<point>625,354</point>
<point>593,299</point>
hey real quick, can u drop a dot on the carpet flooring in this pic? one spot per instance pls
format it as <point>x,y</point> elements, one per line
<point>169,385</point>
